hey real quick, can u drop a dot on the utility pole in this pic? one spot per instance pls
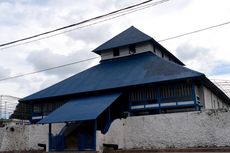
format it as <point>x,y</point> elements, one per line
<point>5,110</point>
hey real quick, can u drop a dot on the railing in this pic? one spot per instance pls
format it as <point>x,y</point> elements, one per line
<point>173,96</point>
<point>170,104</point>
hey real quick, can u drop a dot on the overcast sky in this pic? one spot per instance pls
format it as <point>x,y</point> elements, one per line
<point>207,51</point>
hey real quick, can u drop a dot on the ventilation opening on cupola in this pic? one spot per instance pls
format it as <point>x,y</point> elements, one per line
<point>116,52</point>
<point>132,49</point>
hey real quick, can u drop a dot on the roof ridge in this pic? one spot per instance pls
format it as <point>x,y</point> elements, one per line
<point>129,36</point>
<point>182,66</point>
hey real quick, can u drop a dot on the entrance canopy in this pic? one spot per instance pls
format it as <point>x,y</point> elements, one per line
<point>88,108</point>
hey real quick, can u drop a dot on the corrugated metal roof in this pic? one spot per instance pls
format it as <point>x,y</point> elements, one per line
<point>122,72</point>
<point>88,108</point>
<point>132,36</point>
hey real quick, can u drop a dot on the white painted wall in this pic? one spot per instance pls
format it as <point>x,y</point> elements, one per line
<point>25,137</point>
<point>179,130</point>
<point>124,51</point>
<point>140,48</point>
<point>1,136</point>
<point>212,101</point>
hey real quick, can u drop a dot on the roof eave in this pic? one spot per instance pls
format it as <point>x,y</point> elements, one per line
<point>103,50</point>
<point>115,89</point>
<point>210,85</point>
<point>167,52</point>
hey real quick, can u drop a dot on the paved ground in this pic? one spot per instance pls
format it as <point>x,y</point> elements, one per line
<point>172,150</point>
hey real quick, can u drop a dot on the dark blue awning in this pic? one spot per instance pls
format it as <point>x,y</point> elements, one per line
<point>88,108</point>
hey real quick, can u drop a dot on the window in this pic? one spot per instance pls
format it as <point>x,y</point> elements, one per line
<point>162,55</point>
<point>37,108</point>
<point>132,49</point>
<point>116,52</point>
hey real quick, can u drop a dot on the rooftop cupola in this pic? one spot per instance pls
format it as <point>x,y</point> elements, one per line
<point>132,41</point>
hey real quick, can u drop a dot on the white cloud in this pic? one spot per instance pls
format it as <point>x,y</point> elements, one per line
<point>46,59</point>
<point>207,51</point>
<point>202,59</point>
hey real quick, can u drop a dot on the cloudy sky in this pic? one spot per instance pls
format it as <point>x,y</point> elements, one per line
<point>207,51</point>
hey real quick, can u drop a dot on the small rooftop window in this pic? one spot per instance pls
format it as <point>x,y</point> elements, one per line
<point>162,55</point>
<point>132,49</point>
<point>116,52</point>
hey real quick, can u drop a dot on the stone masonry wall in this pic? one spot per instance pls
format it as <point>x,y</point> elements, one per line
<point>25,137</point>
<point>1,136</point>
<point>177,130</point>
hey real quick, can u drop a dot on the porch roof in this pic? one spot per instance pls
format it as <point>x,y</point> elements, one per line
<point>88,108</point>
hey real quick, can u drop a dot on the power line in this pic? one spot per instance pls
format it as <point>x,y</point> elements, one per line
<point>60,66</point>
<point>47,69</point>
<point>67,31</point>
<point>132,8</point>
<point>196,31</point>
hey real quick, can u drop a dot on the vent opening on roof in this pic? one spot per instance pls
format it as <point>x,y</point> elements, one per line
<point>132,49</point>
<point>116,52</point>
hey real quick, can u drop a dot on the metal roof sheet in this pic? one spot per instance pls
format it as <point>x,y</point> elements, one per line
<point>88,108</point>
<point>122,72</point>
<point>132,36</point>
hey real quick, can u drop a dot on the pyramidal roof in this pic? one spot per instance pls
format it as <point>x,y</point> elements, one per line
<point>146,67</point>
<point>130,36</point>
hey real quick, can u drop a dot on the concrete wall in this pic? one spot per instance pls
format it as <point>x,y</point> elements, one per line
<point>140,48</point>
<point>25,137</point>
<point>212,101</point>
<point>179,130</point>
<point>124,51</point>
<point>1,136</point>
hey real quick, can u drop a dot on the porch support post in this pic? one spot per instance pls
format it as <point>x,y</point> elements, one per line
<point>194,97</point>
<point>158,99</point>
<point>31,112</point>
<point>109,115</point>
<point>95,135</point>
<point>130,104</point>
<point>50,137</point>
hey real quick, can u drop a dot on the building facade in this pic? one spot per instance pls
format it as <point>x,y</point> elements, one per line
<point>136,76</point>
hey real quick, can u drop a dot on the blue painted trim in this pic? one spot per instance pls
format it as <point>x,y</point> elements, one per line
<point>62,142</point>
<point>167,96</point>
<point>159,99</point>
<point>130,102</point>
<point>109,121</point>
<point>109,115</point>
<point>157,108</point>
<point>50,137</point>
<point>95,136</point>
<point>31,112</point>
<point>194,97</point>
